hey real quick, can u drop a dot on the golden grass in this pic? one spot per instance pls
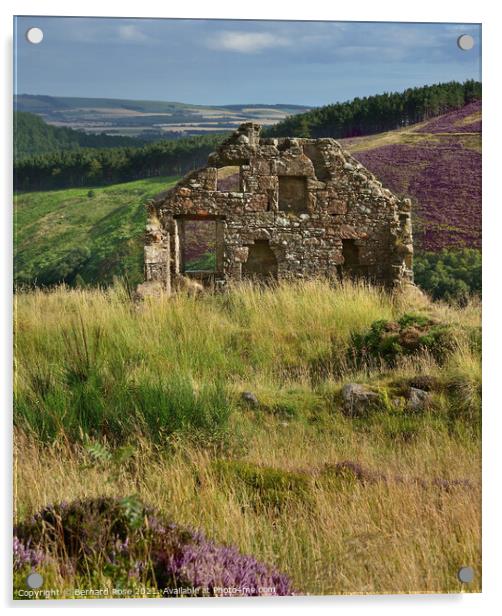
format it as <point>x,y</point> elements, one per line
<point>355,537</point>
<point>388,538</point>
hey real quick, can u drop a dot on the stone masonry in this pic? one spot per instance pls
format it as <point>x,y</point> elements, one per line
<point>280,209</point>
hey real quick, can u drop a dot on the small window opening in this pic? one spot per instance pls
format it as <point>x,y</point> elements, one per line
<point>261,263</point>
<point>350,252</point>
<point>199,245</point>
<point>229,179</point>
<point>293,194</point>
<point>351,267</point>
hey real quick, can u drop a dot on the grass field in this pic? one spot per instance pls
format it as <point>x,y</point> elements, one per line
<point>96,233</point>
<point>122,399</point>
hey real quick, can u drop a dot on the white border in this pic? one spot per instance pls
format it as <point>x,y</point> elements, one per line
<point>364,10</point>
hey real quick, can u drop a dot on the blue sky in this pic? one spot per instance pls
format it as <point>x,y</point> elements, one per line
<point>227,61</point>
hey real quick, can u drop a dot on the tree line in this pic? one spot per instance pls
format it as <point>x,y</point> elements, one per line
<point>96,167</point>
<point>33,136</point>
<point>361,116</point>
<point>379,113</point>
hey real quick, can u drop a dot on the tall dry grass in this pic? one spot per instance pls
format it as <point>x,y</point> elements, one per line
<point>382,537</point>
<point>93,368</point>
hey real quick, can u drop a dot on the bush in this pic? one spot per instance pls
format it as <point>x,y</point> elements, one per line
<point>128,542</point>
<point>452,275</point>
<point>411,334</point>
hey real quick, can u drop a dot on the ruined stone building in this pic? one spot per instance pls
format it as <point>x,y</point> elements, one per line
<point>266,208</point>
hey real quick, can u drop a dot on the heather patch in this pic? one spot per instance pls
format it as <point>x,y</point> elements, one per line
<point>455,121</point>
<point>25,557</point>
<point>133,544</point>
<point>444,180</point>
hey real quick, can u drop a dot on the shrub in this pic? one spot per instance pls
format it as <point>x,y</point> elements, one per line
<point>26,557</point>
<point>411,334</point>
<point>126,540</point>
<point>452,275</point>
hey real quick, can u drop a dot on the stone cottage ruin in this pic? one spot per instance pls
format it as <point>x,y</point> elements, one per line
<point>266,208</point>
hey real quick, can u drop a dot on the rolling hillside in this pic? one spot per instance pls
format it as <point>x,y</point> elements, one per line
<point>438,164</point>
<point>97,233</point>
<point>151,120</point>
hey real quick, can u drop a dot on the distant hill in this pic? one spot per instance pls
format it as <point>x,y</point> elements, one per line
<point>37,103</point>
<point>32,136</point>
<point>151,120</point>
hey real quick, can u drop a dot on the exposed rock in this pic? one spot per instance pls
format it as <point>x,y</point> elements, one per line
<point>250,398</point>
<point>418,400</point>
<point>150,288</point>
<point>357,400</point>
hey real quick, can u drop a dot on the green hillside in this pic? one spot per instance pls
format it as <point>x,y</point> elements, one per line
<point>96,234</point>
<point>32,137</point>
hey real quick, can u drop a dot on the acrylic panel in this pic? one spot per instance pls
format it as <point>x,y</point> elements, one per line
<point>247,267</point>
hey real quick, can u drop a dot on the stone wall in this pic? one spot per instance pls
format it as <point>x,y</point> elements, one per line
<point>305,208</point>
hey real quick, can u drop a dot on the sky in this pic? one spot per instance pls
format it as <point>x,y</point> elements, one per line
<point>216,62</point>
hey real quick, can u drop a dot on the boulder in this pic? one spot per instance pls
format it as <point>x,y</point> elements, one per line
<point>150,288</point>
<point>357,400</point>
<point>249,398</point>
<point>418,400</point>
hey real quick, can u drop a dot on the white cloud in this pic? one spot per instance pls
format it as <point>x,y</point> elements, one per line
<point>246,42</point>
<point>131,33</point>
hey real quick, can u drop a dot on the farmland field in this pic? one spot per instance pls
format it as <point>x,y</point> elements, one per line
<point>148,119</point>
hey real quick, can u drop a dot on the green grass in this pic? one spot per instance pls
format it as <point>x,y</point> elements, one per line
<point>121,399</point>
<point>204,263</point>
<point>95,233</point>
